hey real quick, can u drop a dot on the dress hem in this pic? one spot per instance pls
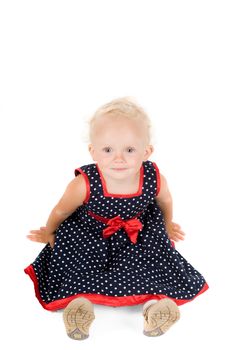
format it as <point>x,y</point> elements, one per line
<point>103,299</point>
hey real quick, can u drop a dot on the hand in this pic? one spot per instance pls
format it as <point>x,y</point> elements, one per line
<point>174,232</point>
<point>42,236</point>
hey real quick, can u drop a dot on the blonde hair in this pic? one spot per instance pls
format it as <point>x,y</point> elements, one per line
<point>125,107</point>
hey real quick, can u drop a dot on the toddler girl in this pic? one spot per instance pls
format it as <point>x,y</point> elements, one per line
<point>110,238</point>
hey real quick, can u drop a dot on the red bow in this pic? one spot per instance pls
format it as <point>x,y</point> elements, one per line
<point>131,227</point>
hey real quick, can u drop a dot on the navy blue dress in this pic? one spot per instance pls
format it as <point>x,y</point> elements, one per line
<point>114,250</point>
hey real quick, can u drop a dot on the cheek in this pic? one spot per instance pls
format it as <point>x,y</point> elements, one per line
<point>104,158</point>
<point>134,157</point>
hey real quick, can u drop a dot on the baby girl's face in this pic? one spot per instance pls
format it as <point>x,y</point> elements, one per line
<point>119,146</point>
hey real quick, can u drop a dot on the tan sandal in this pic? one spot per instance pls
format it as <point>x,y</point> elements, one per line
<point>78,316</point>
<point>159,316</point>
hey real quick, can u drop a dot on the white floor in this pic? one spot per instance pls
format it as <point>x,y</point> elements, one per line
<point>29,326</point>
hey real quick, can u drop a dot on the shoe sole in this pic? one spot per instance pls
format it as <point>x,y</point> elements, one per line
<point>159,317</point>
<point>78,316</point>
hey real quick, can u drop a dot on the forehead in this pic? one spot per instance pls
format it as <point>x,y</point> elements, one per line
<point>118,129</point>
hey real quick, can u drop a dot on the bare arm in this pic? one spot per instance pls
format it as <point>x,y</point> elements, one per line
<point>72,198</point>
<point>164,201</point>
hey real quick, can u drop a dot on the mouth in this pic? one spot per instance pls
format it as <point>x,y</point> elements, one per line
<point>118,169</point>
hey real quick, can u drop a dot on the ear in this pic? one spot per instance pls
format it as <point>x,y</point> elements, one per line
<point>91,150</point>
<point>148,151</point>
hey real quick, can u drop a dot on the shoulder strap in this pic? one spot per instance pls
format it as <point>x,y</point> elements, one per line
<point>85,171</point>
<point>157,178</point>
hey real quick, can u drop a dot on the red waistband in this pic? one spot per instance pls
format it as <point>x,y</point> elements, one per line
<point>105,220</point>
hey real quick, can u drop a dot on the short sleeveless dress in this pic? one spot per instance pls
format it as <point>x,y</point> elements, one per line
<point>114,250</point>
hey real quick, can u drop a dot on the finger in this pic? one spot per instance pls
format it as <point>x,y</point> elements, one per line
<point>34,239</point>
<point>176,225</point>
<point>175,239</point>
<point>34,231</point>
<point>180,232</point>
<point>179,236</point>
<point>177,228</point>
<point>172,236</point>
<point>33,236</point>
<point>38,234</point>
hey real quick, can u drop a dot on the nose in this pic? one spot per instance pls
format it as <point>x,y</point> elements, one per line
<point>118,156</point>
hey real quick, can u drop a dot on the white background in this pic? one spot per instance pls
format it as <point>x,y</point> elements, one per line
<point>61,60</point>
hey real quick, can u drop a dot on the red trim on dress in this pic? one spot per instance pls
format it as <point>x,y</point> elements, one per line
<point>116,195</point>
<point>103,299</point>
<point>79,170</point>
<point>157,178</point>
<point>173,244</point>
<point>105,220</point>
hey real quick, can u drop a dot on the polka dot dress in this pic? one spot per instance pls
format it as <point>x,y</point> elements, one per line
<point>114,250</point>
